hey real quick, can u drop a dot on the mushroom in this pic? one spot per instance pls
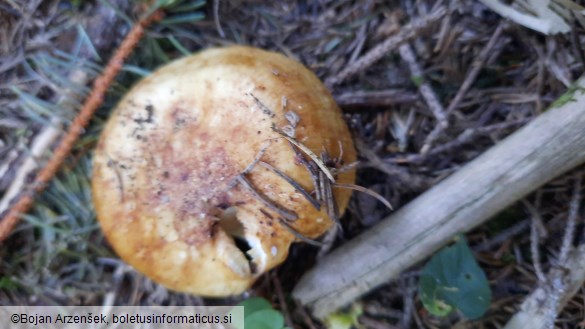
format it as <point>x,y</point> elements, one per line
<point>205,172</point>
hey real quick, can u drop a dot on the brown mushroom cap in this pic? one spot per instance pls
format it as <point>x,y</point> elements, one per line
<point>166,165</point>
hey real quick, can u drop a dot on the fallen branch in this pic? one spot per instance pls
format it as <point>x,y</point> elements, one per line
<point>550,145</point>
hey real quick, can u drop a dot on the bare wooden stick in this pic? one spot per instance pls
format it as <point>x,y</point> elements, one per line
<point>550,145</point>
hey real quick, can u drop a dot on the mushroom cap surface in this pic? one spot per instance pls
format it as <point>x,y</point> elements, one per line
<point>165,169</point>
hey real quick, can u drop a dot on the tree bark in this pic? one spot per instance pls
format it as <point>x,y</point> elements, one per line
<point>547,147</point>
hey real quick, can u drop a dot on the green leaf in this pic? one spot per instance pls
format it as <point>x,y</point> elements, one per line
<point>569,96</point>
<point>339,321</point>
<point>266,318</point>
<point>237,314</point>
<point>417,80</point>
<point>453,279</point>
<point>254,304</point>
<point>7,283</point>
<point>344,320</point>
<point>259,314</point>
<point>435,306</point>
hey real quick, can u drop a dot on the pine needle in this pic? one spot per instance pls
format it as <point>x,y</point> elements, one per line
<point>294,184</point>
<point>287,214</point>
<point>308,152</point>
<point>298,234</point>
<point>366,191</point>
